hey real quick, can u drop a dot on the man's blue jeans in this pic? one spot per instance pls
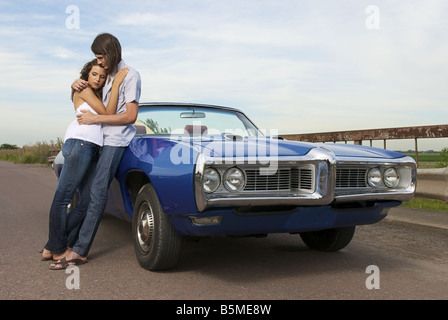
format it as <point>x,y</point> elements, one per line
<point>106,168</point>
<point>79,164</point>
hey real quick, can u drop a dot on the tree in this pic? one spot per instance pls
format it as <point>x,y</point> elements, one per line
<point>8,146</point>
<point>154,126</point>
<point>444,155</point>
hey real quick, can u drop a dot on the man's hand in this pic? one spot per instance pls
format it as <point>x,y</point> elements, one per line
<point>80,85</point>
<point>86,117</point>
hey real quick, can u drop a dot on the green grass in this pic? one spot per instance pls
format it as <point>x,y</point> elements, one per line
<point>427,157</point>
<point>427,204</point>
<point>428,160</point>
<point>34,154</point>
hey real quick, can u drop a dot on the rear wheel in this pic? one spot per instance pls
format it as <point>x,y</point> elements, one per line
<point>157,244</point>
<point>328,240</point>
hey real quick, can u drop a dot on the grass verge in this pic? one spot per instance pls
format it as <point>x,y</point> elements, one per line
<point>426,204</point>
<point>33,154</point>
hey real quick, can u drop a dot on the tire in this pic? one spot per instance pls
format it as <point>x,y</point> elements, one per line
<point>157,244</point>
<point>328,240</point>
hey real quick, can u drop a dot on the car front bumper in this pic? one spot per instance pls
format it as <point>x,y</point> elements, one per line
<point>231,221</point>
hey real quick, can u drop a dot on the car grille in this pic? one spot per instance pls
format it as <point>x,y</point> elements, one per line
<point>351,178</point>
<point>282,179</point>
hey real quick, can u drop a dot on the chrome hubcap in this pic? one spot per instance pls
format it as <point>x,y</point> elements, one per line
<point>145,227</point>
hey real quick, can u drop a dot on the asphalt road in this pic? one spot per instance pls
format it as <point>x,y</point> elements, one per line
<point>409,263</point>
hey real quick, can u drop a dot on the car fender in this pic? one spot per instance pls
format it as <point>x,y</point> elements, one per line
<point>152,159</point>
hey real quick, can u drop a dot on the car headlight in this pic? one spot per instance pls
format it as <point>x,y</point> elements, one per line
<point>211,180</point>
<point>391,178</point>
<point>374,177</point>
<point>234,179</point>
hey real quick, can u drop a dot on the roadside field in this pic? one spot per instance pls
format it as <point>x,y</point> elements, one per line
<point>427,160</point>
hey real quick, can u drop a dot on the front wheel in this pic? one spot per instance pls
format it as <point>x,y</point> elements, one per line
<point>328,240</point>
<point>157,244</point>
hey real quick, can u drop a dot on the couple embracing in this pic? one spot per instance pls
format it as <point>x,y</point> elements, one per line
<point>105,99</point>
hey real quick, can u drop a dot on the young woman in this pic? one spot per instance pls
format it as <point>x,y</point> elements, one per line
<point>80,150</point>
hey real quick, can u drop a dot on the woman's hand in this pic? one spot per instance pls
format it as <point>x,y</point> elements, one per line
<point>80,85</point>
<point>86,117</point>
<point>119,77</point>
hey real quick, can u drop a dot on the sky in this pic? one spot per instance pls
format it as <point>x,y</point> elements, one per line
<point>296,66</point>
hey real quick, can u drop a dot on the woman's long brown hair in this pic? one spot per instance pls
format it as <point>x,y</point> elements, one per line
<point>84,75</point>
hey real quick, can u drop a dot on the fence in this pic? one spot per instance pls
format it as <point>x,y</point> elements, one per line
<point>357,136</point>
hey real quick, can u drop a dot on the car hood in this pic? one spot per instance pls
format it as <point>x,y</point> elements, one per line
<point>351,150</point>
<point>229,147</point>
<point>265,146</point>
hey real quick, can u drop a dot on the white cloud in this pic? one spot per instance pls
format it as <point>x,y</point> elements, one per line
<point>139,19</point>
<point>64,53</point>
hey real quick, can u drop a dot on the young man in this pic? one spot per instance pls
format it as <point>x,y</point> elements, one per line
<point>118,131</point>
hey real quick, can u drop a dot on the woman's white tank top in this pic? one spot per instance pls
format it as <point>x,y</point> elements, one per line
<point>88,132</point>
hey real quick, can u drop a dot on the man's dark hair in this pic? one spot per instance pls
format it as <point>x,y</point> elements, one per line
<point>108,45</point>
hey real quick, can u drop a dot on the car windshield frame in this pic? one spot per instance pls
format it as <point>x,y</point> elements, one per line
<point>194,120</point>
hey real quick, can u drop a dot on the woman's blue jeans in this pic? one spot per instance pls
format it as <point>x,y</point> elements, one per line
<point>80,158</point>
<point>106,169</point>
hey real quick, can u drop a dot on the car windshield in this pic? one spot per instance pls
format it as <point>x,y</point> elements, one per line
<point>193,121</point>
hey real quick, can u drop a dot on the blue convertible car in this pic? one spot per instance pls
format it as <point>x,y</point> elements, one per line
<point>202,170</point>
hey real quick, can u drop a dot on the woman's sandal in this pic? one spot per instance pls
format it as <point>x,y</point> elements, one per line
<point>64,263</point>
<point>52,258</point>
<point>46,259</point>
